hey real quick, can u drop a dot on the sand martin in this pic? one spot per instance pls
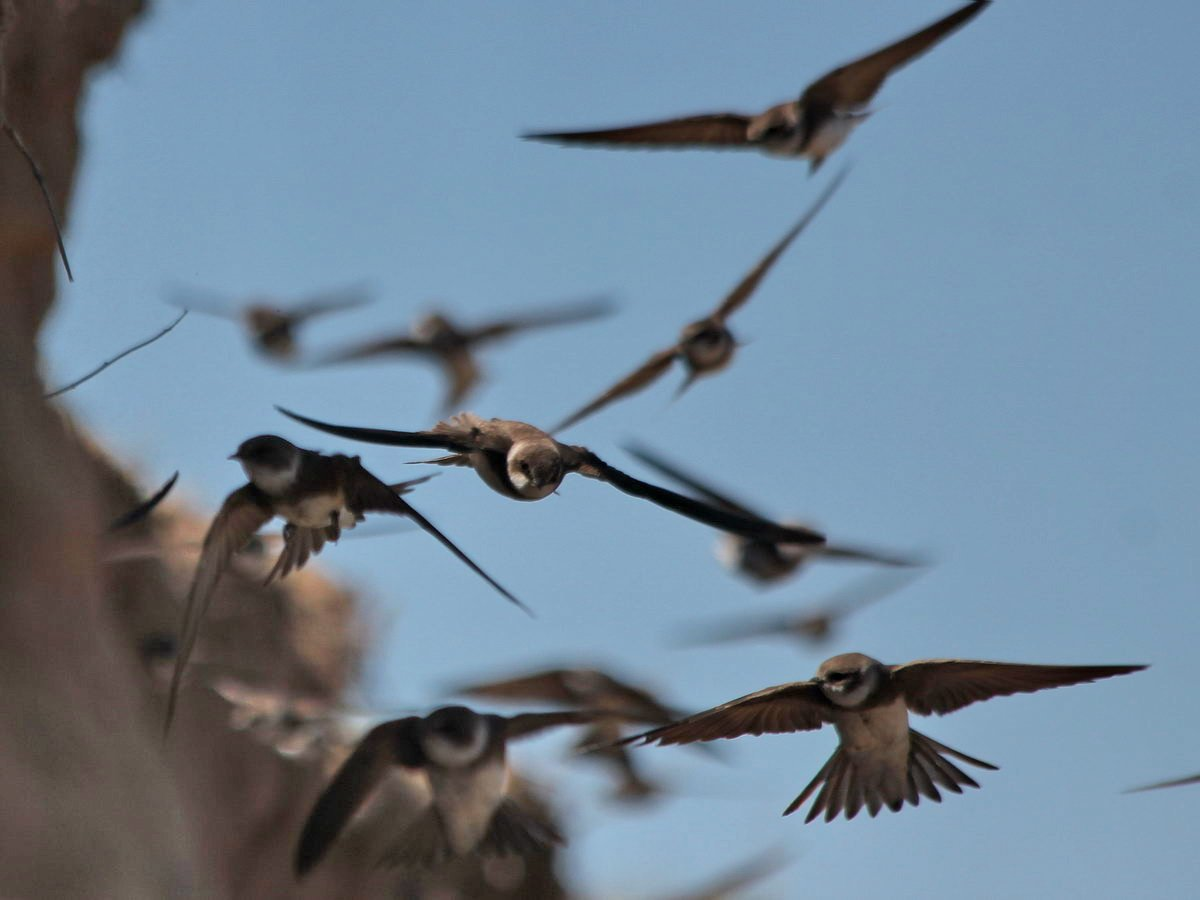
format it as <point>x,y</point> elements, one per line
<point>706,345</point>
<point>811,626</point>
<point>880,761</point>
<point>582,688</point>
<point>761,561</point>
<point>436,336</point>
<point>144,508</point>
<point>462,753</point>
<point>273,328</point>
<point>523,462</point>
<point>317,495</point>
<point>811,127</point>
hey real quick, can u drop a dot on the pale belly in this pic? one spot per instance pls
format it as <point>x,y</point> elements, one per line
<point>877,738</point>
<point>318,511</point>
<point>831,135</point>
<point>466,802</point>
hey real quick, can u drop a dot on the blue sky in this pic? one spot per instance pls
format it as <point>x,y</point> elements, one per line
<point>984,348</point>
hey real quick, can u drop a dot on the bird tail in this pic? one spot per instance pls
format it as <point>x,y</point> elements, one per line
<point>848,781</point>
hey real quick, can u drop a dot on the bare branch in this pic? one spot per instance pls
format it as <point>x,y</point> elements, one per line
<point>108,362</point>
<point>7,13</point>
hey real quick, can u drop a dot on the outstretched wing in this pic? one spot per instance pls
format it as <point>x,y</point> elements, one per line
<point>944,685</point>
<point>590,465</point>
<point>244,512</point>
<point>566,314</point>
<point>748,285</point>
<point>689,481</point>
<point>715,131</point>
<point>855,83</point>
<point>799,706</point>
<point>448,439</point>
<point>646,374</point>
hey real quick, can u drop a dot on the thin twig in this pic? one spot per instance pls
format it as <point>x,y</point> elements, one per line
<point>7,13</point>
<point>108,362</point>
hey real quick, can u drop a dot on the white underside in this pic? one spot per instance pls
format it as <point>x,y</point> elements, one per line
<point>466,802</point>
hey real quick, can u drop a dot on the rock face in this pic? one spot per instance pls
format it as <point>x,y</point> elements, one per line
<point>95,805</point>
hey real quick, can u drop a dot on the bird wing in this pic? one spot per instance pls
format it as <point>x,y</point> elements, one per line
<point>566,314</point>
<point>747,286</point>
<point>590,465</point>
<point>366,493</point>
<point>397,344</point>
<point>439,437</point>
<point>390,744</point>
<point>944,685</point>
<point>799,706</point>
<point>327,302</point>
<point>462,373</point>
<point>689,481</point>
<point>855,83</point>
<point>526,724</point>
<point>144,508</point>
<point>244,512</point>
<point>716,130</point>
<point>650,371</point>
<point>548,687</point>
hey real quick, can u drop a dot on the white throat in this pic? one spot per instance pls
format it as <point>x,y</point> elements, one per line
<point>857,695</point>
<point>273,482</point>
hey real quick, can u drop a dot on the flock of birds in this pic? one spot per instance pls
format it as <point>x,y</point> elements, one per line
<point>880,761</point>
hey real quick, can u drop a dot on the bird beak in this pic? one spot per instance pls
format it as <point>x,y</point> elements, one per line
<point>232,456</point>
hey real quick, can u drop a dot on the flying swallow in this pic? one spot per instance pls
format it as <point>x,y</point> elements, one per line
<point>463,755</point>
<point>272,328</point>
<point>812,626</point>
<point>523,462</point>
<point>144,508</point>
<point>581,688</point>
<point>761,561</point>
<point>812,126</point>
<point>451,346</point>
<point>317,495</point>
<point>1174,782</point>
<point>706,345</point>
<point>296,726</point>
<point>880,761</point>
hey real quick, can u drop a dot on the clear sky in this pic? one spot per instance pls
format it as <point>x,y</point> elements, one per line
<point>983,349</point>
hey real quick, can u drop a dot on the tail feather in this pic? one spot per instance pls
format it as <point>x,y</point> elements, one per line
<point>848,783</point>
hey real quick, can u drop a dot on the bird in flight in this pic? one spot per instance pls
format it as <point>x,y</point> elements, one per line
<point>144,508</point>
<point>879,761</point>
<point>452,346</point>
<point>764,562</point>
<point>317,495</point>
<point>463,755</point>
<point>706,345</point>
<point>812,126</point>
<point>272,328</point>
<point>522,462</point>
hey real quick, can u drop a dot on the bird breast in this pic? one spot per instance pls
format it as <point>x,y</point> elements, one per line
<point>317,511</point>
<point>466,802</point>
<point>831,134</point>
<point>709,348</point>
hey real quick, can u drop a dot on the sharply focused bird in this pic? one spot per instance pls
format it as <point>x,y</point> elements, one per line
<point>523,462</point>
<point>273,328</point>
<point>812,126</point>
<point>583,688</point>
<point>452,346</point>
<point>463,755</point>
<point>879,761</point>
<point>706,345</point>
<point>764,562</point>
<point>811,626</point>
<point>317,495</point>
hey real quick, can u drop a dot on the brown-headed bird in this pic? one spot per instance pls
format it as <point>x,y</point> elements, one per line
<point>272,328</point>
<point>522,462</point>
<point>879,761</point>
<point>317,495</point>
<point>452,346</point>
<point>707,345</point>
<point>810,127</point>
<point>470,812</point>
